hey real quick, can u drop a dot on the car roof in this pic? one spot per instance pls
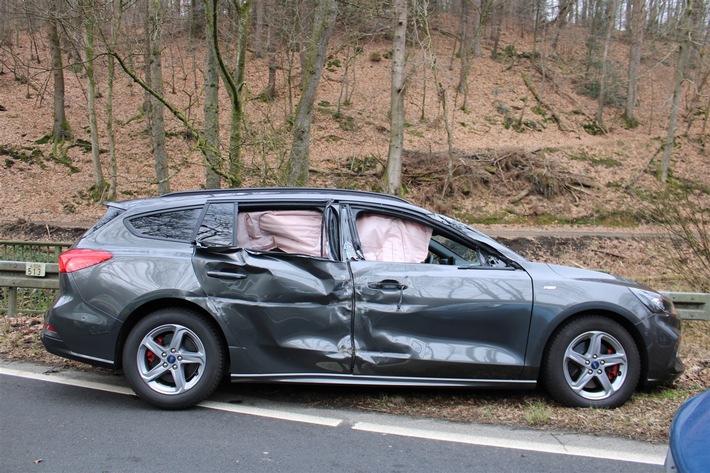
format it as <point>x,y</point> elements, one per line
<point>292,194</point>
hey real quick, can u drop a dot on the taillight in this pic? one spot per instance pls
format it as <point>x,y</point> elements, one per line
<point>80,258</point>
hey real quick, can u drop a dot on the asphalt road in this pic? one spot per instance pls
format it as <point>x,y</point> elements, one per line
<point>80,422</point>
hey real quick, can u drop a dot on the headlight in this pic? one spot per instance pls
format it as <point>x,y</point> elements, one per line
<point>655,302</point>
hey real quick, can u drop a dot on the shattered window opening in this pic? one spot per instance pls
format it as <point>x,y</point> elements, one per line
<point>290,231</point>
<point>392,239</point>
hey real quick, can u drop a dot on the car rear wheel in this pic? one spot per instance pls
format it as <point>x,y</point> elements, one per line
<point>591,362</point>
<point>173,358</point>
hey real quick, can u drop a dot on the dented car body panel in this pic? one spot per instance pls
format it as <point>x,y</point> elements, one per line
<point>411,320</point>
<point>423,300</point>
<point>286,313</point>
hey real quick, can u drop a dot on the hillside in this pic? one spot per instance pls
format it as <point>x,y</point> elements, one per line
<point>512,163</point>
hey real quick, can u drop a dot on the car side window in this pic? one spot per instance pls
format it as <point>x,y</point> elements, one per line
<point>171,225</point>
<point>289,231</point>
<point>444,250</point>
<point>388,238</point>
<point>392,239</point>
<point>217,227</point>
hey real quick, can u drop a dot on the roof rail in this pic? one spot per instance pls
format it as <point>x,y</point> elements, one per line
<point>279,190</point>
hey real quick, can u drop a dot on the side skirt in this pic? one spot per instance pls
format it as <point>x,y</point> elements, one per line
<point>345,379</point>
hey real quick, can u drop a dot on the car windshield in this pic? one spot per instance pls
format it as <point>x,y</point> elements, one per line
<point>477,235</point>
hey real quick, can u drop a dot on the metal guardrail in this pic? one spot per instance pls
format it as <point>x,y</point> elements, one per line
<point>24,274</point>
<point>31,250</point>
<point>691,305</point>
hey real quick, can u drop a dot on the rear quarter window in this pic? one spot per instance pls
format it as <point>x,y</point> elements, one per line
<point>109,216</point>
<point>169,225</point>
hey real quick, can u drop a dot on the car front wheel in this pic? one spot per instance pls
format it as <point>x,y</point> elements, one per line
<point>592,361</point>
<point>173,358</point>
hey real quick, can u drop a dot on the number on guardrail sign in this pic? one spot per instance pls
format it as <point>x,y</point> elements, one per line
<point>35,269</point>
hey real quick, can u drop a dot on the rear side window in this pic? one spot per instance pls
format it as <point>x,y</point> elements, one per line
<point>111,213</point>
<point>170,225</point>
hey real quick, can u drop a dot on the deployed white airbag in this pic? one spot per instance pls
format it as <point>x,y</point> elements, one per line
<point>291,231</point>
<point>385,238</point>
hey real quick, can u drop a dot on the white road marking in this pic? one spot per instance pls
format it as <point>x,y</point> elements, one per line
<point>271,413</point>
<point>560,448</point>
<point>543,447</point>
<point>221,406</point>
<point>58,379</point>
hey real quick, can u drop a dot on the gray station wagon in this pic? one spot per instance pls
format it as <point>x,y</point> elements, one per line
<point>343,287</point>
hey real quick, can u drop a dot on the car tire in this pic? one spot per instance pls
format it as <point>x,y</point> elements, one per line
<point>591,361</point>
<point>173,358</point>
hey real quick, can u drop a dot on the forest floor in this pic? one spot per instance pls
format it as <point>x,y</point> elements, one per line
<point>508,167</point>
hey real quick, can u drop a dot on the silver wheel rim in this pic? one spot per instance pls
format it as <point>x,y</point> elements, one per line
<point>595,365</point>
<point>171,359</point>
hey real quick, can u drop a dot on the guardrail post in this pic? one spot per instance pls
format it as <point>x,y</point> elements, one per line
<point>11,301</point>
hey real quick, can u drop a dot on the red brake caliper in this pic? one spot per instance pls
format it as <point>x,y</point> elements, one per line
<point>612,372</point>
<point>149,355</point>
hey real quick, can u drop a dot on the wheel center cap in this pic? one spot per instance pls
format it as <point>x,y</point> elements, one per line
<point>595,365</point>
<point>171,359</point>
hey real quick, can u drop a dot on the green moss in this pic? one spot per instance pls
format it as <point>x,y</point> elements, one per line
<point>595,160</point>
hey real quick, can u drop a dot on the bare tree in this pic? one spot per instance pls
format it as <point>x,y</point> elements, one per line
<point>89,14</point>
<point>470,43</point>
<point>610,21</point>
<point>560,22</point>
<point>637,24</point>
<point>157,121</point>
<point>685,43</point>
<point>115,21</point>
<point>298,163</point>
<point>393,172</point>
<point>60,129</point>
<point>211,108</point>
<point>234,80</point>
<point>261,22</point>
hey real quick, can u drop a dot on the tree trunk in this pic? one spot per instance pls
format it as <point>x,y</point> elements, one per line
<point>560,22</point>
<point>233,80</point>
<point>297,169</point>
<point>115,22</point>
<point>89,14</point>
<point>197,19</point>
<point>393,173</point>
<point>478,20</point>
<point>470,44</point>
<point>259,48</point>
<point>157,127</point>
<point>60,129</point>
<point>636,26</point>
<point>211,110</point>
<point>497,9</point>
<point>611,17</point>
<point>685,37</point>
<point>270,92</point>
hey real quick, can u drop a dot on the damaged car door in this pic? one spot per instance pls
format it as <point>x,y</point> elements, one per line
<point>285,300</point>
<point>431,303</point>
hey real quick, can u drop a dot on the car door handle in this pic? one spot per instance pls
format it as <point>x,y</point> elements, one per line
<point>390,285</point>
<point>225,275</point>
<point>387,285</point>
